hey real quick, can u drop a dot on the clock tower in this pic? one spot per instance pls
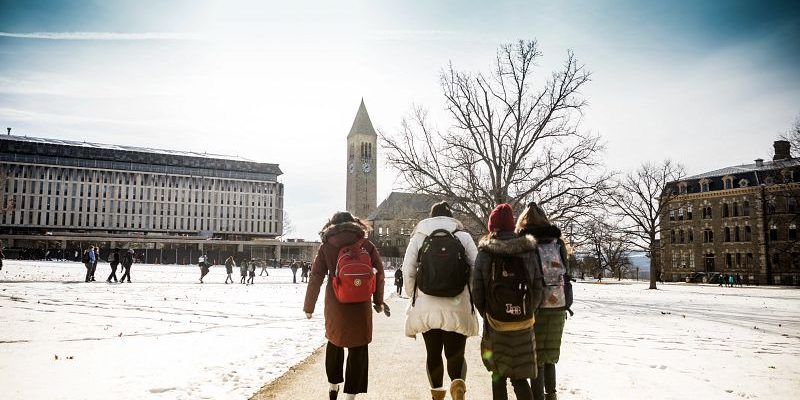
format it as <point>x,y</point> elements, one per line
<point>362,155</point>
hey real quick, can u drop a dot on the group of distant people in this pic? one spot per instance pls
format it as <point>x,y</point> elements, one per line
<point>517,278</point>
<point>730,280</point>
<point>247,269</point>
<point>91,256</point>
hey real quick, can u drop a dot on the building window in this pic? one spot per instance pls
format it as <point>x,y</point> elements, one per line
<point>736,237</point>
<point>771,206</point>
<point>682,188</point>
<point>728,182</point>
<point>748,261</point>
<point>672,215</point>
<point>690,236</point>
<point>743,183</point>
<point>727,234</point>
<point>681,236</point>
<point>773,232</point>
<point>728,260</point>
<point>788,176</point>
<point>776,259</point>
<point>708,235</point>
<point>735,209</point>
<point>725,213</point>
<point>680,214</point>
<point>707,212</point>
<point>746,208</point>
<point>792,232</point>
<point>689,212</point>
<point>738,260</point>
<point>704,185</point>
<point>672,236</point>
<point>747,233</point>
<point>791,205</point>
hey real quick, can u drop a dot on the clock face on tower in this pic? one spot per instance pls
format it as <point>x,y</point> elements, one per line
<point>365,167</point>
<point>351,167</point>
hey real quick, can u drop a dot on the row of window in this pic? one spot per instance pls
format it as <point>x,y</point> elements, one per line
<point>143,222</point>
<point>734,260</point>
<point>734,209</point>
<point>731,234</point>
<point>729,182</point>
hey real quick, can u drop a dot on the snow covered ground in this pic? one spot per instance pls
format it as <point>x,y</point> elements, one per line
<point>681,342</point>
<point>163,336</point>
<point>166,336</point>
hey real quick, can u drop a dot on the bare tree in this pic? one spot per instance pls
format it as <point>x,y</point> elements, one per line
<point>609,246</point>
<point>286,223</point>
<point>640,197</point>
<point>507,143</point>
<point>793,135</point>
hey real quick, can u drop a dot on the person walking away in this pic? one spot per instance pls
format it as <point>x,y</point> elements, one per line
<point>251,269</point>
<point>113,260</point>
<point>294,271</point>
<point>348,315</point>
<point>551,316</point>
<point>88,261</point>
<point>229,264</point>
<point>304,272</point>
<point>2,257</point>
<point>127,262</point>
<point>398,280</point>
<point>204,266</point>
<point>243,271</point>
<point>263,265</point>
<point>95,260</point>
<point>730,280</point>
<point>436,267</point>
<point>507,287</point>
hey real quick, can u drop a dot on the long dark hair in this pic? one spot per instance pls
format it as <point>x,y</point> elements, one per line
<point>341,217</point>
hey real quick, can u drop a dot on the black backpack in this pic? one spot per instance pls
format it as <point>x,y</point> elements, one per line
<point>442,269</point>
<point>85,257</point>
<point>509,296</point>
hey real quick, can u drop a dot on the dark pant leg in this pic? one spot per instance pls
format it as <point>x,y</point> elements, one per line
<point>499,391</point>
<point>356,374</point>
<point>522,389</point>
<point>334,363</point>
<point>88,271</point>
<point>454,344</point>
<point>550,378</point>
<point>126,274</point>
<point>433,345</point>
<point>537,386</point>
<point>113,274</point>
<point>94,268</point>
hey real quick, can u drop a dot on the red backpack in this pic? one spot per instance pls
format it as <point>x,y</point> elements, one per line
<point>353,281</point>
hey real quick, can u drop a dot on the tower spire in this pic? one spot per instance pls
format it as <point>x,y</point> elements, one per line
<point>362,124</point>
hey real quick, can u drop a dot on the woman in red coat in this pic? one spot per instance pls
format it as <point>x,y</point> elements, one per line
<point>346,324</point>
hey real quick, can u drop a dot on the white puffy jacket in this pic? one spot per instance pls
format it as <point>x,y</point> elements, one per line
<point>453,314</point>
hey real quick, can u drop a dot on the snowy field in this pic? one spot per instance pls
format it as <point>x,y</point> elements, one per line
<point>167,337</point>
<point>681,342</point>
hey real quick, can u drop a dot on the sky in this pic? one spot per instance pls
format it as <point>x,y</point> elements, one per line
<point>708,84</point>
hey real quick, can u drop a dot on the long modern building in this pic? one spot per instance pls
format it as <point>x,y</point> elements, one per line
<point>59,196</point>
<point>735,220</point>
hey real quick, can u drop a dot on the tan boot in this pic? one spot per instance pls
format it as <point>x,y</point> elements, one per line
<point>438,394</point>
<point>457,389</point>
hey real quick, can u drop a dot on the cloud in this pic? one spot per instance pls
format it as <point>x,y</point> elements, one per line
<point>102,35</point>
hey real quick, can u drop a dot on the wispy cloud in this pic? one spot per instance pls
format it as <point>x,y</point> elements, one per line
<point>102,35</point>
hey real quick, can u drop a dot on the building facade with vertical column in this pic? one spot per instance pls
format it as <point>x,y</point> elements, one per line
<point>62,195</point>
<point>736,220</point>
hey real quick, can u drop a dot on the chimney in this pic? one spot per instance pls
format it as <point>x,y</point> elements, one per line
<point>759,162</point>
<point>782,148</point>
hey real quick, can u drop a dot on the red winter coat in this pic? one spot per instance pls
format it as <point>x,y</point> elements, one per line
<point>346,325</point>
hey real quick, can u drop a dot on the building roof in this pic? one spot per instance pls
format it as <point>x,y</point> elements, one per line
<point>58,149</point>
<point>404,205</point>
<point>362,124</point>
<point>122,148</point>
<point>745,168</point>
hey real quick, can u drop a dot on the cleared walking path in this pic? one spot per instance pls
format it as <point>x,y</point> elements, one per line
<point>396,370</point>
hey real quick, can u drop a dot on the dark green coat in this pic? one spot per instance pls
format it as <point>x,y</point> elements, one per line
<point>508,354</point>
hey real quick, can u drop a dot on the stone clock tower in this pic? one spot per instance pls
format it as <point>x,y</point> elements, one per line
<point>362,154</point>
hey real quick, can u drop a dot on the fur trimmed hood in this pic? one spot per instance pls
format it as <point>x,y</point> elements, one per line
<point>350,228</point>
<point>542,232</point>
<point>508,247</point>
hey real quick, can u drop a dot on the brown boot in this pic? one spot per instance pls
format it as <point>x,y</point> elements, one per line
<point>457,389</point>
<point>438,394</point>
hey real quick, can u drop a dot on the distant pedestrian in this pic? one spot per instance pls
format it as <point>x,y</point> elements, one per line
<point>739,280</point>
<point>127,262</point>
<point>229,264</point>
<point>2,257</point>
<point>347,324</point>
<point>722,280</point>
<point>304,272</point>
<point>263,265</point>
<point>294,267</point>
<point>730,280</point>
<point>243,271</point>
<point>251,272</point>
<point>88,260</point>
<point>204,266</point>
<point>113,260</point>
<point>398,281</point>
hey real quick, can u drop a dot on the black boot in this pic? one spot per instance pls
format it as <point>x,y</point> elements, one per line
<point>550,381</point>
<point>332,394</point>
<point>537,385</point>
